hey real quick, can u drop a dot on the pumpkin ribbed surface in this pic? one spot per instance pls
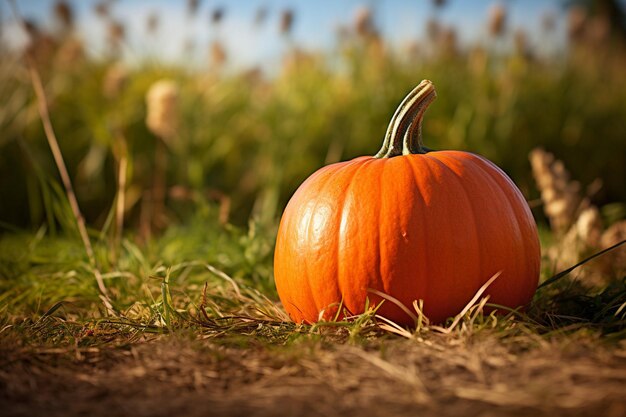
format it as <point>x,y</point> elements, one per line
<point>434,226</point>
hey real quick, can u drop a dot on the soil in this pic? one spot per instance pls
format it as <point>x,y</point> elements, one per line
<point>439,375</point>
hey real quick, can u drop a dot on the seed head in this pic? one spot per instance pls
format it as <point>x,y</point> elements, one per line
<point>217,15</point>
<point>589,226</point>
<point>152,23</point>
<point>116,33</point>
<point>561,196</point>
<point>521,42</point>
<point>69,53</point>
<point>598,30</point>
<point>363,22</point>
<point>497,20</point>
<point>102,9</point>
<point>192,7</point>
<point>612,236</point>
<point>115,80</point>
<point>260,16</point>
<point>162,109</point>
<point>286,21</point>
<point>32,28</point>
<point>576,22</point>
<point>412,49</point>
<point>477,60</point>
<point>449,45</point>
<point>64,14</point>
<point>548,22</point>
<point>433,30</point>
<point>218,54</point>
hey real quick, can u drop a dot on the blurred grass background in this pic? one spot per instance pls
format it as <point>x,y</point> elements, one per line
<point>241,140</point>
<point>182,167</point>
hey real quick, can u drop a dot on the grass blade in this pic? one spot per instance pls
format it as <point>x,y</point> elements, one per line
<point>60,163</point>
<point>565,272</point>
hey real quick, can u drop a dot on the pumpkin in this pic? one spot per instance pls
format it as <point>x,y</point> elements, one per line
<point>409,222</point>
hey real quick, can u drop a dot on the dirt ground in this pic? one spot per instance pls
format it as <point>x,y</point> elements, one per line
<point>436,376</point>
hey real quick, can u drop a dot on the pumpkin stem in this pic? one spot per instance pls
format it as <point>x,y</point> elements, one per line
<point>404,134</point>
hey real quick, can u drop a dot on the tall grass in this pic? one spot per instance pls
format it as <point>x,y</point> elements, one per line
<point>246,139</point>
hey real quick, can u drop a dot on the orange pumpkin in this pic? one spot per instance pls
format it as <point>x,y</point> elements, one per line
<point>409,222</point>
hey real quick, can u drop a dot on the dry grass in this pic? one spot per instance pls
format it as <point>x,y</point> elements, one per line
<point>199,337</point>
<point>193,374</point>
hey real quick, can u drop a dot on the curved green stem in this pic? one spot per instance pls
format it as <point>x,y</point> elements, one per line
<point>404,134</point>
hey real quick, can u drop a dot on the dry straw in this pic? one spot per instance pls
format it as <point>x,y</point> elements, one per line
<point>562,204</point>
<point>616,260</point>
<point>579,222</point>
<point>559,194</point>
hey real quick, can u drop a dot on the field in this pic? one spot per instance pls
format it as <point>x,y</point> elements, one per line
<point>154,294</point>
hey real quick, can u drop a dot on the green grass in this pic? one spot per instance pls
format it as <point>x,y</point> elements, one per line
<point>217,280</point>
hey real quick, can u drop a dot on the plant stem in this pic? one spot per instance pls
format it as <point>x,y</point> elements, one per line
<point>159,185</point>
<point>404,134</point>
<point>121,193</point>
<point>44,114</point>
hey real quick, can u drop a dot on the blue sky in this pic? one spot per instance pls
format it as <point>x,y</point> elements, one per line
<point>315,24</point>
